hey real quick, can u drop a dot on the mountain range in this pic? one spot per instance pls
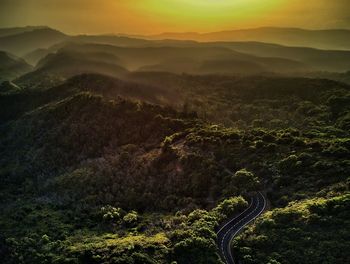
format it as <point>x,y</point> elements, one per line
<point>322,39</point>
<point>27,40</point>
<point>255,56</point>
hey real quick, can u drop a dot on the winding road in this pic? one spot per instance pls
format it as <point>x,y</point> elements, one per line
<point>229,230</point>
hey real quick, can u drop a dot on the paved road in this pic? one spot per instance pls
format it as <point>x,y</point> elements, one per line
<point>228,231</point>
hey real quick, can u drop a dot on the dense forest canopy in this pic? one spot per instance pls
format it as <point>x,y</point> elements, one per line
<point>117,149</point>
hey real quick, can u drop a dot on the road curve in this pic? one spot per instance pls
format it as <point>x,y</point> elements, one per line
<point>229,230</point>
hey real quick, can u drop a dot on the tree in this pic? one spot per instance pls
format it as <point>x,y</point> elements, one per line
<point>130,219</point>
<point>245,181</point>
<point>110,213</point>
<point>230,207</point>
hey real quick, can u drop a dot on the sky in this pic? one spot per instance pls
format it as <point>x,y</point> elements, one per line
<point>157,16</point>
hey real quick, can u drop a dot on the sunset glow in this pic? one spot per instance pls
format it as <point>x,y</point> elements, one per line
<point>193,14</point>
<point>156,16</point>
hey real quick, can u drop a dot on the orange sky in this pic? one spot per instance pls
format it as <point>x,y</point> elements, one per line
<point>156,16</point>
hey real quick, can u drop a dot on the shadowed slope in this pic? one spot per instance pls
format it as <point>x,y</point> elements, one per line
<point>11,66</point>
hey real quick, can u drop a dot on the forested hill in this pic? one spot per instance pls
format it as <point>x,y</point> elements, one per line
<point>286,235</point>
<point>17,103</point>
<point>101,170</point>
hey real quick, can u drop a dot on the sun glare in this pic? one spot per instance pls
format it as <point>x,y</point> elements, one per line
<point>205,13</point>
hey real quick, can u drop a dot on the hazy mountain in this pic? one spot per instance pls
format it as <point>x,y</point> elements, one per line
<point>60,55</point>
<point>18,30</point>
<point>27,41</point>
<point>64,64</point>
<point>248,66</point>
<point>11,66</point>
<point>318,59</point>
<point>177,65</point>
<point>328,60</point>
<point>33,43</point>
<point>35,56</point>
<point>142,56</point>
<point>116,40</point>
<point>323,39</point>
<point>131,41</point>
<point>252,65</point>
<point>187,59</point>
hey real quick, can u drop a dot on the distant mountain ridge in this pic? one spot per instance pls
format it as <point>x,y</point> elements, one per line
<point>27,41</point>
<point>18,30</point>
<point>77,58</point>
<point>57,67</point>
<point>115,55</point>
<point>322,60</point>
<point>323,39</point>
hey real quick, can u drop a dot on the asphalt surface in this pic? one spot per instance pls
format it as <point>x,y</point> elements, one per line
<point>229,230</point>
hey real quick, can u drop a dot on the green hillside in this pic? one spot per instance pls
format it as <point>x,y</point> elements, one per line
<point>286,235</point>
<point>90,174</point>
